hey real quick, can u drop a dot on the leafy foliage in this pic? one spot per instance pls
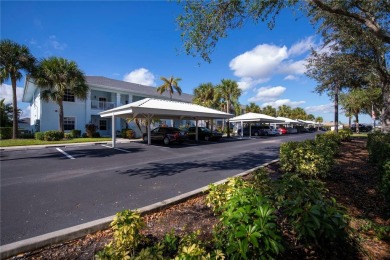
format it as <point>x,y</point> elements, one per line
<point>170,85</point>
<point>5,133</point>
<point>90,129</point>
<point>53,135</point>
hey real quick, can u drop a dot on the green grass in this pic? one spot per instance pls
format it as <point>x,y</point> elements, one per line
<point>26,142</point>
<point>360,135</point>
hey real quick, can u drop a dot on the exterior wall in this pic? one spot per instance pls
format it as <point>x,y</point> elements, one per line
<point>35,112</point>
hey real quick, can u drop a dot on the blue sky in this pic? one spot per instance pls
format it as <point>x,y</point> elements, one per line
<point>139,41</point>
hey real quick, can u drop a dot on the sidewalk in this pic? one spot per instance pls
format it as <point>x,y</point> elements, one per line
<point>34,147</point>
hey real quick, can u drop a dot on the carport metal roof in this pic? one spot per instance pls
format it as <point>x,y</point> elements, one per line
<point>150,108</point>
<point>288,120</point>
<point>255,117</point>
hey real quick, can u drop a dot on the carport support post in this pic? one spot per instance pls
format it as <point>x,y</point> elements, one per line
<point>196,129</point>
<point>242,129</point>
<point>148,127</point>
<point>113,129</point>
<point>250,130</point>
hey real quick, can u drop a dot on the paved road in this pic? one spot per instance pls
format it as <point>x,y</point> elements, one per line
<point>45,190</point>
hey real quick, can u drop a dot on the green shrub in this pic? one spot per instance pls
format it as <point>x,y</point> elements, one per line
<point>53,135</point>
<point>247,227</point>
<point>127,133</point>
<point>309,158</point>
<point>5,133</point>
<point>68,136</point>
<point>385,182</point>
<point>90,129</point>
<point>39,136</point>
<point>27,136</point>
<point>378,146</point>
<point>75,133</point>
<point>96,135</point>
<point>334,136</point>
<point>345,135</point>
<point>316,219</point>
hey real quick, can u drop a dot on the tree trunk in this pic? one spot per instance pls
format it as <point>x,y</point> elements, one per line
<point>228,123</point>
<point>336,109</point>
<point>61,116</point>
<point>385,113</point>
<point>14,109</point>
<point>357,123</point>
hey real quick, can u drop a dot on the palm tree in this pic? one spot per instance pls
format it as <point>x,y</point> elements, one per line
<point>6,111</point>
<point>319,120</point>
<point>171,85</point>
<point>57,77</point>
<point>204,95</point>
<point>228,94</point>
<point>252,107</point>
<point>269,110</point>
<point>14,58</point>
<point>284,111</point>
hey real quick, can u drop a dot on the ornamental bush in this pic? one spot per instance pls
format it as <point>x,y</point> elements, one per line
<point>316,219</point>
<point>53,135</point>
<point>39,136</point>
<point>75,133</point>
<point>345,135</point>
<point>90,129</point>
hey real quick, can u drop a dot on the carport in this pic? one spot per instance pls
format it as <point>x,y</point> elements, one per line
<point>254,117</point>
<point>150,108</point>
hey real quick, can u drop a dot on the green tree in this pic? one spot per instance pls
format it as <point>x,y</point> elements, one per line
<point>57,77</point>
<point>284,111</point>
<point>228,94</point>
<point>6,111</point>
<point>171,85</point>
<point>319,120</point>
<point>298,113</point>
<point>269,110</point>
<point>253,107</point>
<point>204,95</point>
<point>310,117</point>
<point>14,59</point>
<point>361,27</point>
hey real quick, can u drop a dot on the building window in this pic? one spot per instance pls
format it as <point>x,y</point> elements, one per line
<point>68,95</point>
<point>137,98</point>
<point>103,125</point>
<point>69,123</point>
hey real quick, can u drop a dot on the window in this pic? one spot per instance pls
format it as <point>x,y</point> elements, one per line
<point>103,125</point>
<point>69,123</point>
<point>137,98</point>
<point>68,95</point>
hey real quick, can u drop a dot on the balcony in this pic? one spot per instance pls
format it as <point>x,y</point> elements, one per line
<point>102,105</point>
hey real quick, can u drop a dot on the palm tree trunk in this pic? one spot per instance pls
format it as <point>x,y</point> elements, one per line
<point>336,109</point>
<point>61,116</point>
<point>228,123</point>
<point>14,110</point>
<point>357,123</point>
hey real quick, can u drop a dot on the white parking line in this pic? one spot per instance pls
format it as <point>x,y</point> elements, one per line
<point>66,154</point>
<point>119,149</point>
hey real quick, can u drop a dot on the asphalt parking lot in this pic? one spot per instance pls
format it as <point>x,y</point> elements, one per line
<point>44,190</point>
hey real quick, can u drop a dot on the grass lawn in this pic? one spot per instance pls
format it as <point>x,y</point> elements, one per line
<point>360,135</point>
<point>24,142</point>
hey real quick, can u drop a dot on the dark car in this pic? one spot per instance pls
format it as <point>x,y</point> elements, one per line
<point>166,135</point>
<point>362,128</point>
<point>203,134</point>
<point>257,130</point>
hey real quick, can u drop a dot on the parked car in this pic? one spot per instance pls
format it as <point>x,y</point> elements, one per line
<point>292,130</point>
<point>362,128</point>
<point>258,130</point>
<point>203,134</point>
<point>166,135</point>
<point>282,130</point>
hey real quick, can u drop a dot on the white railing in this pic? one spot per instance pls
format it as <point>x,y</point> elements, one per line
<point>102,105</point>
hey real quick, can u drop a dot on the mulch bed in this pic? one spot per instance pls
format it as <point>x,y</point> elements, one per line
<point>353,183</point>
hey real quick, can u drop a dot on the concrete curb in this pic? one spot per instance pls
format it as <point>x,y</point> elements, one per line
<point>67,234</point>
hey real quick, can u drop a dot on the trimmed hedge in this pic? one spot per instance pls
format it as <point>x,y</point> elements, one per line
<point>5,133</point>
<point>53,135</point>
<point>39,136</point>
<point>75,133</point>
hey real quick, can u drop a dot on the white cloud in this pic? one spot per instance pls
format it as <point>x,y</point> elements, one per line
<point>281,102</point>
<point>267,94</point>
<point>6,93</point>
<point>264,61</point>
<point>141,76</point>
<point>302,47</point>
<point>258,63</point>
<point>291,77</point>
<point>328,108</point>
<point>53,42</point>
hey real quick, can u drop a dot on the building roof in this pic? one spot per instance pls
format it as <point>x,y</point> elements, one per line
<point>142,90</point>
<point>118,85</point>
<point>288,120</point>
<point>166,109</point>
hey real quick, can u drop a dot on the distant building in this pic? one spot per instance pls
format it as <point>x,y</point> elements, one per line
<point>104,93</point>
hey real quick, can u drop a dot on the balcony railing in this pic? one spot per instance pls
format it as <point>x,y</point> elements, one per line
<point>102,105</point>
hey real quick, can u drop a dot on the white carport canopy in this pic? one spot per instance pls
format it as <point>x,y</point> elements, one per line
<point>288,120</point>
<point>150,108</point>
<point>308,122</point>
<point>254,117</point>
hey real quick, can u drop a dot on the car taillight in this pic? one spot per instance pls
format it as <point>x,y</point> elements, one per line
<point>176,135</point>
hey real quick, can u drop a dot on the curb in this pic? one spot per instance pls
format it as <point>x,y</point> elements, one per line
<point>71,233</point>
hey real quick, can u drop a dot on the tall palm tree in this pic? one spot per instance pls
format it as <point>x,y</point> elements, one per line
<point>252,107</point>
<point>204,95</point>
<point>14,59</point>
<point>228,92</point>
<point>171,85</point>
<point>269,110</point>
<point>57,76</point>
<point>284,111</point>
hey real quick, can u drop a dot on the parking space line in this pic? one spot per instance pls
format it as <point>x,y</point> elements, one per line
<point>119,149</point>
<point>66,154</point>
